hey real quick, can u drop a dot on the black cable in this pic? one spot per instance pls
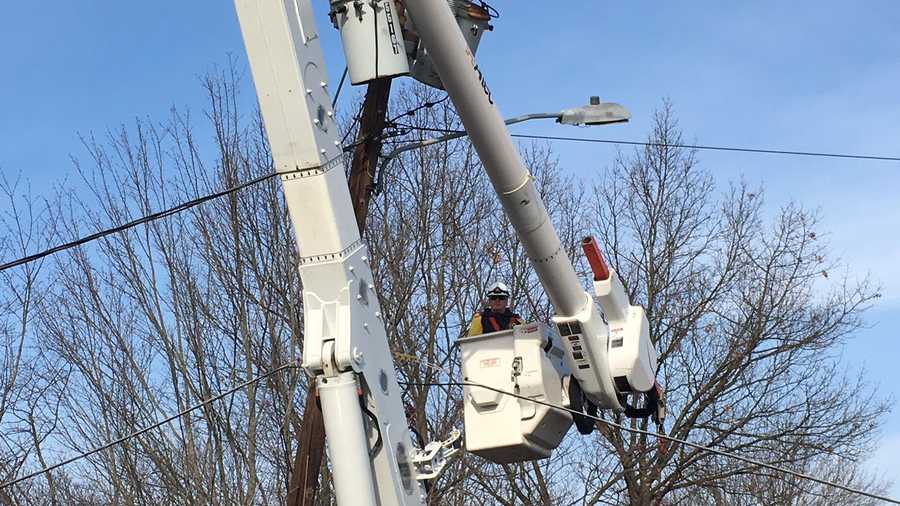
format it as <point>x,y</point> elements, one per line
<point>339,88</point>
<point>148,428</point>
<point>374,4</point>
<point>131,224</point>
<point>696,446</point>
<point>378,185</point>
<point>414,110</point>
<point>492,12</point>
<point>379,442</point>
<point>383,137</point>
<point>350,130</point>
<point>678,145</point>
<point>388,124</point>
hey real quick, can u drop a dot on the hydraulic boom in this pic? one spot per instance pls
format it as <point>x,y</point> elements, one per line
<point>591,357</point>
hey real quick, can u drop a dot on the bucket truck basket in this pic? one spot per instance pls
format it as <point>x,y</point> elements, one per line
<point>529,361</point>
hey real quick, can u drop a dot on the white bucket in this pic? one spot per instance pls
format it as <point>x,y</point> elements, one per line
<point>530,362</point>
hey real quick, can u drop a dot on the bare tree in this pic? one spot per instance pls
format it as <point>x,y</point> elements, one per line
<point>745,321</point>
<point>149,321</point>
<point>152,320</point>
<point>26,418</point>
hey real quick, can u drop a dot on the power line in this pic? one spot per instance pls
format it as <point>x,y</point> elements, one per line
<point>388,123</point>
<point>131,224</point>
<point>414,110</point>
<point>677,145</point>
<point>148,428</point>
<point>696,446</point>
<point>712,148</point>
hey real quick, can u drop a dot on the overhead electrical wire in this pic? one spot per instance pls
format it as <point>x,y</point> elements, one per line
<point>139,432</point>
<point>131,224</point>
<point>677,145</point>
<point>414,110</point>
<point>388,123</point>
<point>712,148</point>
<point>708,449</point>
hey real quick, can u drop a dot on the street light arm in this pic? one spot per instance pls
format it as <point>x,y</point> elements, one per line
<point>456,135</point>
<point>596,113</point>
<point>535,115</point>
<point>462,133</point>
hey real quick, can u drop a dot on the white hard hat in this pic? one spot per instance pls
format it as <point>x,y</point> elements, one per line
<point>498,289</point>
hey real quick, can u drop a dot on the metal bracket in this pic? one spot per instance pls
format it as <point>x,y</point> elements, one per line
<point>516,372</point>
<point>431,460</point>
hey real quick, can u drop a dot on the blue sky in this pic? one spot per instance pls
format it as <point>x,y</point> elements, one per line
<point>819,76</point>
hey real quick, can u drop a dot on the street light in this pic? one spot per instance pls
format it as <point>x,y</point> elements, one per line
<point>595,113</point>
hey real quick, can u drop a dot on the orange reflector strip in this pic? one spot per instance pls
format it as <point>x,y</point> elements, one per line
<point>595,258</point>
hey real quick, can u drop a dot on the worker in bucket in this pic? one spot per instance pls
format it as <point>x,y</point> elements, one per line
<point>496,316</point>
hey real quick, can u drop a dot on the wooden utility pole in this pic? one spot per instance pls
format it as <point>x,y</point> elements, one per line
<point>304,481</point>
<point>368,147</point>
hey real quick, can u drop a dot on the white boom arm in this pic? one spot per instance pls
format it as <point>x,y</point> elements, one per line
<point>609,355</point>
<point>584,325</point>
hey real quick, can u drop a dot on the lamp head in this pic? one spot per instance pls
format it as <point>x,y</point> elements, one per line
<point>596,113</point>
